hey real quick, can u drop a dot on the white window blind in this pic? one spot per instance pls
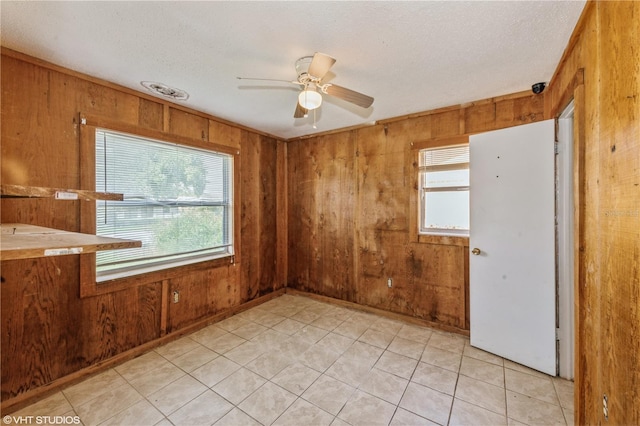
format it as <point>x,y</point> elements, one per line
<point>444,190</point>
<point>177,201</point>
<point>454,157</point>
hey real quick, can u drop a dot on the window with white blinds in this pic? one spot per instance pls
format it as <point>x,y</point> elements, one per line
<point>177,201</point>
<point>444,190</point>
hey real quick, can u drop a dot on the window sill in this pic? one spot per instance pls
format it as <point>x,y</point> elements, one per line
<point>160,266</point>
<point>444,239</point>
<point>92,287</point>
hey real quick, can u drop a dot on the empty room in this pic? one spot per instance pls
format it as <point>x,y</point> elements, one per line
<point>320,213</point>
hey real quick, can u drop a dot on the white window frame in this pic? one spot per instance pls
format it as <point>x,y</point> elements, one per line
<point>422,172</point>
<point>150,265</point>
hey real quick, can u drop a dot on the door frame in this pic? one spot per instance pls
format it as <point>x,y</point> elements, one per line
<point>565,243</point>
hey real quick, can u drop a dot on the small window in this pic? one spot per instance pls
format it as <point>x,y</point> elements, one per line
<point>444,190</point>
<point>177,201</point>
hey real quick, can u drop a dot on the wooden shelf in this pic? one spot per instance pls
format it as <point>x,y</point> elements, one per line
<point>20,241</point>
<point>20,191</point>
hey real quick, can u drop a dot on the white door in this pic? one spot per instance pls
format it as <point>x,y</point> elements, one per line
<point>512,276</point>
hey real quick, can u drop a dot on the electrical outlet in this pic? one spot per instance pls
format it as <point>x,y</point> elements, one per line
<point>605,407</point>
<point>389,282</point>
<point>176,296</point>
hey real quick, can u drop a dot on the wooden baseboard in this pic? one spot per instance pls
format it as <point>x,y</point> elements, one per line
<point>11,405</point>
<point>381,312</point>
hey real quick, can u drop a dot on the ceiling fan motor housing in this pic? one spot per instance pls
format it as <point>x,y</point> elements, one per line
<point>302,66</point>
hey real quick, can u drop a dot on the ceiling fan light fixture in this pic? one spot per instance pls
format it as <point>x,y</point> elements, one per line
<point>309,99</point>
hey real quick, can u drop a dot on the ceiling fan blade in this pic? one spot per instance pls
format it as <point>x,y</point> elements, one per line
<point>348,95</point>
<point>320,65</point>
<point>269,79</point>
<point>300,111</point>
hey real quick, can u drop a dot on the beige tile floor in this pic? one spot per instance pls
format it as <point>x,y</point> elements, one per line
<point>297,361</point>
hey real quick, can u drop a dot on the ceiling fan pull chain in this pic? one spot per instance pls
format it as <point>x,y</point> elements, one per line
<point>314,119</point>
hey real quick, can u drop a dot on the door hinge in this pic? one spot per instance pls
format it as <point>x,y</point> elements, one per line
<point>557,334</point>
<point>556,147</point>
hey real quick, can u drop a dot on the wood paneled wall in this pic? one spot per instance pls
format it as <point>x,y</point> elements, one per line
<point>48,331</point>
<point>349,213</point>
<point>605,55</point>
<point>348,223</point>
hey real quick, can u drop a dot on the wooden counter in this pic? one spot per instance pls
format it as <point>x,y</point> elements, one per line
<point>20,241</point>
<point>20,191</point>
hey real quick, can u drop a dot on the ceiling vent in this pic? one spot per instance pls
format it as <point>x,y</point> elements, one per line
<point>165,91</point>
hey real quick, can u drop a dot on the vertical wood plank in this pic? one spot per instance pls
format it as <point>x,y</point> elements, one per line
<point>250,223</point>
<point>166,118</point>
<point>282,220</point>
<point>447,124</point>
<point>618,190</point>
<point>510,112</point>
<point>268,231</point>
<point>467,309</point>
<point>480,118</point>
<point>164,307</point>
<point>224,134</point>
<point>301,198</point>
<point>150,115</point>
<point>187,124</point>
<point>579,126</point>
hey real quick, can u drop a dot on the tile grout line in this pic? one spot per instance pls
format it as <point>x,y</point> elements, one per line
<point>410,380</point>
<point>555,388</point>
<point>506,401</point>
<point>455,388</point>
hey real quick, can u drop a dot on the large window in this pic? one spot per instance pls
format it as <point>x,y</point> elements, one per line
<point>177,201</point>
<point>444,190</point>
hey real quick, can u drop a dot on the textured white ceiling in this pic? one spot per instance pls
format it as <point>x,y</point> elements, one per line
<point>410,56</point>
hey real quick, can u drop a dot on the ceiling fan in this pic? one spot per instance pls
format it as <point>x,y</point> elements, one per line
<point>311,70</point>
